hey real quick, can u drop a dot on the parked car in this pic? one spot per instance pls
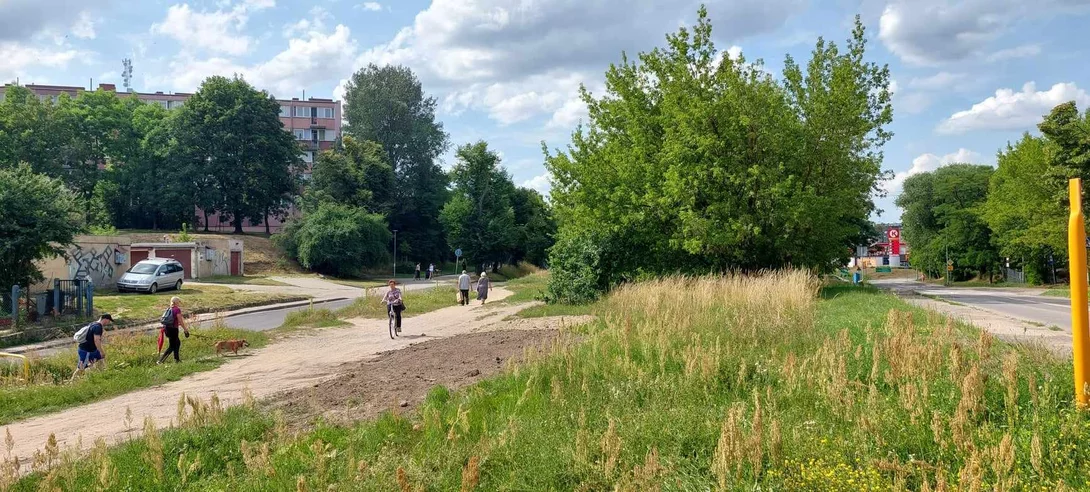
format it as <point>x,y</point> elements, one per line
<point>152,276</point>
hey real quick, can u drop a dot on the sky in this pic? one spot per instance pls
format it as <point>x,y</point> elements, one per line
<point>968,76</point>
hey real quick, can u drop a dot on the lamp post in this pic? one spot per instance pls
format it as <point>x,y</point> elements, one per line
<point>395,254</point>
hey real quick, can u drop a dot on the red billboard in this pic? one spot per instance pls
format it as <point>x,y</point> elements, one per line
<point>894,237</point>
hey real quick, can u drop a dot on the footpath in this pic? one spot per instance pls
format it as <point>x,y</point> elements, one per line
<point>295,362</point>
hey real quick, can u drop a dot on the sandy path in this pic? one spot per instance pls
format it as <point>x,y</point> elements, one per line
<point>295,362</point>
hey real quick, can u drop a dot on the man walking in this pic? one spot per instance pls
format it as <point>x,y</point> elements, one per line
<point>90,349</point>
<point>417,276</point>
<point>463,287</point>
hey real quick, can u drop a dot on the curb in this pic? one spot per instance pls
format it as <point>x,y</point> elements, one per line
<point>150,327</point>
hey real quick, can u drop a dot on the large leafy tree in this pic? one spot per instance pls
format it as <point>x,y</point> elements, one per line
<point>39,216</point>
<point>356,174</point>
<point>694,161</point>
<point>479,217</point>
<point>1027,220</point>
<point>28,134</point>
<point>535,227</point>
<point>98,130</point>
<point>942,220</point>
<point>232,154</point>
<point>387,105</point>
<point>337,239</point>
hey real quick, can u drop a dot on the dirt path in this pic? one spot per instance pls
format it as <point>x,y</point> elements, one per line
<point>299,361</point>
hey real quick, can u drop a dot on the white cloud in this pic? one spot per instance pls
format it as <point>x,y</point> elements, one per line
<point>1023,51</point>
<point>542,183</point>
<point>521,60</point>
<point>372,6</point>
<point>84,27</point>
<point>927,163</point>
<point>17,59</point>
<point>932,32</point>
<point>21,20</point>
<point>1010,110</point>
<point>315,58</point>
<point>913,102</point>
<point>939,81</point>
<point>316,22</point>
<point>219,31</point>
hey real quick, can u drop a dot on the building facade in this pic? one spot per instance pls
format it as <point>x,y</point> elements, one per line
<point>314,122</point>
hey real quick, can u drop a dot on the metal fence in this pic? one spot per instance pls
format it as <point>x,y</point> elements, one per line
<point>1015,276</point>
<point>69,297</point>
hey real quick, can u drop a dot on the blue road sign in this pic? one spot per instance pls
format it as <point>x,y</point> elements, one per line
<point>458,252</point>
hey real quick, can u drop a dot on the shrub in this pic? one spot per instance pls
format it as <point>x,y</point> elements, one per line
<point>575,276</point>
<point>337,239</point>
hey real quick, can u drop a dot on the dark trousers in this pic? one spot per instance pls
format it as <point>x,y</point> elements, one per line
<point>465,297</point>
<point>175,345</point>
<point>417,276</point>
<point>397,314</point>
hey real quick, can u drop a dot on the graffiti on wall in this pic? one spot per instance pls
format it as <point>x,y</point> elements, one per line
<point>221,261</point>
<point>96,262</point>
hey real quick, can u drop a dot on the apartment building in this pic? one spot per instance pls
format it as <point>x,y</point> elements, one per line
<point>314,122</point>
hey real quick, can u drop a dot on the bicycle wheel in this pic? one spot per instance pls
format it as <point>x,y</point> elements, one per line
<point>393,327</point>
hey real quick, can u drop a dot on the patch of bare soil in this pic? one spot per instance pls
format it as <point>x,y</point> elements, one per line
<point>399,380</point>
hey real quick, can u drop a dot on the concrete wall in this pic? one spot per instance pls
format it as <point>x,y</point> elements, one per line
<point>103,259</point>
<point>210,257</point>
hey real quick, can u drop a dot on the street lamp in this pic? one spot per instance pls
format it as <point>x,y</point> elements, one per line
<point>395,254</point>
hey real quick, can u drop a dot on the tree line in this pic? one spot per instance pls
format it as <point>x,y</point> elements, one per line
<point>101,161</point>
<point>982,217</point>
<point>696,162</point>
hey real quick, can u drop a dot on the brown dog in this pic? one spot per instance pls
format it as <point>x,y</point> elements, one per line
<point>230,345</point>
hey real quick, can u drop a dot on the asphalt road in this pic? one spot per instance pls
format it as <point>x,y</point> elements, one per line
<point>1013,303</point>
<point>268,320</point>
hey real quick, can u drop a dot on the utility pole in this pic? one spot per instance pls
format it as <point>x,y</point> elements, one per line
<point>395,255</point>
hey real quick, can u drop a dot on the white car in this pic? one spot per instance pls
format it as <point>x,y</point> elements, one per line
<point>151,276</point>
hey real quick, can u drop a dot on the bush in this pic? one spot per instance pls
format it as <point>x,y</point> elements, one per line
<point>574,275</point>
<point>337,239</point>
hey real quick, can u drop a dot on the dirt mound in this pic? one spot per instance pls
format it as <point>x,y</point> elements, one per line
<point>400,379</point>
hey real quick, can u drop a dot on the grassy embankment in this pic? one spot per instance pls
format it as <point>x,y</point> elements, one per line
<point>137,308</point>
<point>729,383</point>
<point>130,365</point>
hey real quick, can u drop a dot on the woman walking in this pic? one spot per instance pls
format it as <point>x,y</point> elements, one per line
<point>483,286</point>
<point>171,321</point>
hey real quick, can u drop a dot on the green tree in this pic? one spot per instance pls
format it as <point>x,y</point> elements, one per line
<point>233,155</point>
<point>942,218</point>
<point>535,227</point>
<point>97,127</point>
<point>39,217</point>
<point>355,174</point>
<point>337,239</point>
<point>1022,210</point>
<point>387,105</point>
<point>28,134</point>
<point>1069,136</point>
<point>479,217</point>
<point>693,161</point>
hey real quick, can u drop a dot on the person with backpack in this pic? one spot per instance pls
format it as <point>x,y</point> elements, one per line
<point>90,341</point>
<point>172,319</point>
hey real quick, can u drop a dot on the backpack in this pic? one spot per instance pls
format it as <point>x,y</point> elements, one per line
<point>168,320</point>
<point>81,334</point>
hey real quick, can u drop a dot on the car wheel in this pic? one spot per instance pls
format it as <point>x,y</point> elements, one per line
<point>178,286</point>
<point>153,289</point>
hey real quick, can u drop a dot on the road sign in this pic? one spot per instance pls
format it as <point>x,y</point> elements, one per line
<point>458,252</point>
<point>949,268</point>
<point>949,263</point>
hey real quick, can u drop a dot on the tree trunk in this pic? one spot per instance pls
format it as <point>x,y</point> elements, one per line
<point>205,220</point>
<point>267,233</point>
<point>237,219</point>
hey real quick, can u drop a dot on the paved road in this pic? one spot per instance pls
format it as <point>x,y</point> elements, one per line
<point>1020,304</point>
<point>268,320</point>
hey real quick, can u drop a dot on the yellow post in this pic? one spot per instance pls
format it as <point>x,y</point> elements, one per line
<point>1076,250</point>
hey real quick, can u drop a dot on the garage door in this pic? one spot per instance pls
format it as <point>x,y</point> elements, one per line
<point>236,263</point>
<point>184,256</point>
<point>136,256</point>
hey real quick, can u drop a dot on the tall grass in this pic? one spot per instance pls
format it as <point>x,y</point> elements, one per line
<point>727,383</point>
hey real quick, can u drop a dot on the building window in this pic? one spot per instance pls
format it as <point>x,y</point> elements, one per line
<point>302,112</point>
<point>174,104</point>
<point>325,112</point>
<point>285,111</point>
<point>300,135</point>
<point>308,157</point>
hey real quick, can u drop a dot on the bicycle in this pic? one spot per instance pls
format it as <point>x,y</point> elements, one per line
<point>394,329</point>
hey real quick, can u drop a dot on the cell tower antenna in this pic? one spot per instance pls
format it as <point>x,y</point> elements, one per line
<point>126,73</point>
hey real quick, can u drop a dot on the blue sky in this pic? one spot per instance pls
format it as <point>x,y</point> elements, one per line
<point>969,75</point>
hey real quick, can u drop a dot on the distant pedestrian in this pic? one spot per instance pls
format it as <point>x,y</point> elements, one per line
<point>90,349</point>
<point>431,271</point>
<point>417,275</point>
<point>463,287</point>
<point>483,286</point>
<point>172,319</point>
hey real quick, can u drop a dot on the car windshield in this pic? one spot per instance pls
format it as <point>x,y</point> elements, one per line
<point>144,268</point>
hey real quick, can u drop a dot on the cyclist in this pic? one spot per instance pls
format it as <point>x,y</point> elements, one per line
<point>393,303</point>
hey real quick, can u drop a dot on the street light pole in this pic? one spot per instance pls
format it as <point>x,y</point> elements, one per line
<point>395,254</point>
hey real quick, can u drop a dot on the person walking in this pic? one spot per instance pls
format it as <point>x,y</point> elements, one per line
<point>417,275</point>
<point>90,350</point>
<point>463,288</point>
<point>172,319</point>
<point>431,271</point>
<point>484,284</point>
